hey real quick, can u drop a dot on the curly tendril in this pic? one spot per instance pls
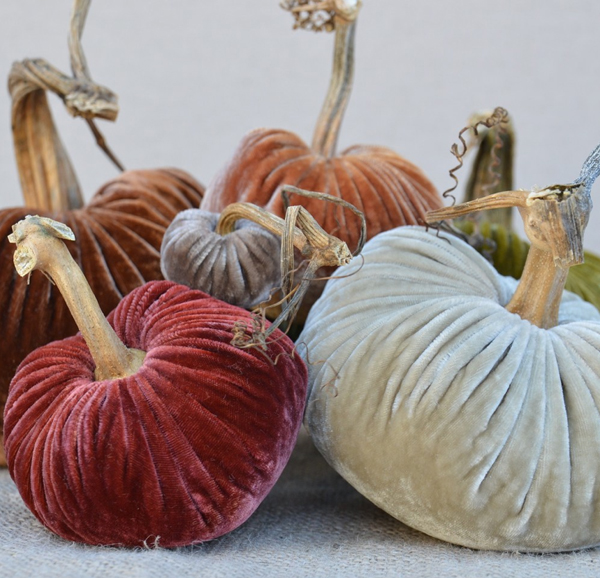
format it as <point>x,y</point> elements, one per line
<point>499,119</point>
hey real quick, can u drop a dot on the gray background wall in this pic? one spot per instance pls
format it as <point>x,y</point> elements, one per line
<point>194,76</point>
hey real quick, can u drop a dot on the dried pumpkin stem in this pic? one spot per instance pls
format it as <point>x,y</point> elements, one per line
<point>295,216</point>
<point>40,246</point>
<point>555,219</point>
<point>47,176</point>
<point>300,230</point>
<point>236,211</point>
<point>326,134</point>
<point>79,65</point>
<point>540,289</point>
<point>338,15</point>
<point>308,237</point>
<point>288,190</point>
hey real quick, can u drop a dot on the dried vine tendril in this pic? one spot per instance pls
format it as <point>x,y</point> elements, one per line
<point>498,118</point>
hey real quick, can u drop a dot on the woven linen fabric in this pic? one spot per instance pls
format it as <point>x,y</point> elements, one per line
<point>312,524</point>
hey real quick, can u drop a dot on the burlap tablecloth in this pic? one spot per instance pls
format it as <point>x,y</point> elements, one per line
<point>312,524</point>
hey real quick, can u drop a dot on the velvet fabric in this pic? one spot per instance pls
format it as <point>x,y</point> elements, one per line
<point>118,234</point>
<point>180,452</point>
<point>390,190</point>
<point>455,416</point>
<point>241,268</point>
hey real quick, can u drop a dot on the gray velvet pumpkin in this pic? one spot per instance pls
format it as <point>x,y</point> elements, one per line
<point>452,413</point>
<point>241,268</point>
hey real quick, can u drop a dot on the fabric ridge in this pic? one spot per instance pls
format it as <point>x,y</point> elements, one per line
<point>240,268</point>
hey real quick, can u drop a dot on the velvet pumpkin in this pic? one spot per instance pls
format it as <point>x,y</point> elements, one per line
<point>387,188</point>
<point>162,433</point>
<point>461,402</point>
<point>119,231</point>
<point>236,255</point>
<point>241,268</point>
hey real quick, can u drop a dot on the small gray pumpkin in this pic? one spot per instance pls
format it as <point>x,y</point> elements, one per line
<point>241,268</point>
<point>464,403</point>
<point>246,254</point>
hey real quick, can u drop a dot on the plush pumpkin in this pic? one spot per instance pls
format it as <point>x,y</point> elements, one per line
<point>241,268</point>
<point>236,257</point>
<point>462,402</point>
<point>159,432</point>
<point>119,231</point>
<point>387,188</point>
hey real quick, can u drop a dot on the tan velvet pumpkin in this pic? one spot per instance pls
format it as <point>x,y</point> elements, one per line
<point>462,402</point>
<point>119,231</point>
<point>387,188</point>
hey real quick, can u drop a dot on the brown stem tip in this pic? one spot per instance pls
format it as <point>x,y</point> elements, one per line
<point>322,15</point>
<point>40,246</point>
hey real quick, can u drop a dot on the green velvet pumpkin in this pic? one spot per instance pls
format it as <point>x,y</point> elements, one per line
<point>492,171</point>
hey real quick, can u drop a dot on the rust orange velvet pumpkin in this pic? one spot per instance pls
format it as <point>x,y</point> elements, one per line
<point>390,190</point>
<point>119,232</point>
<point>159,432</point>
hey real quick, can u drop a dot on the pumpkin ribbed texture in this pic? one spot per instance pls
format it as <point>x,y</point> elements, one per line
<point>180,452</point>
<point>390,190</point>
<point>455,416</point>
<point>241,268</point>
<point>118,234</point>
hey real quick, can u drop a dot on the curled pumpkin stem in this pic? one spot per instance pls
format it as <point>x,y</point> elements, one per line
<point>555,218</point>
<point>288,190</point>
<point>28,82</point>
<point>498,118</point>
<point>298,230</point>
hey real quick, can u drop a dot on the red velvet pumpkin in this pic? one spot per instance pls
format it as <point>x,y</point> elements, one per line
<point>119,232</point>
<point>119,237</point>
<point>390,190</point>
<point>181,450</point>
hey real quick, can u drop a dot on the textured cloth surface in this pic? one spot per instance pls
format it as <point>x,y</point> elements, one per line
<point>184,449</point>
<point>312,524</point>
<point>241,268</point>
<point>456,416</point>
